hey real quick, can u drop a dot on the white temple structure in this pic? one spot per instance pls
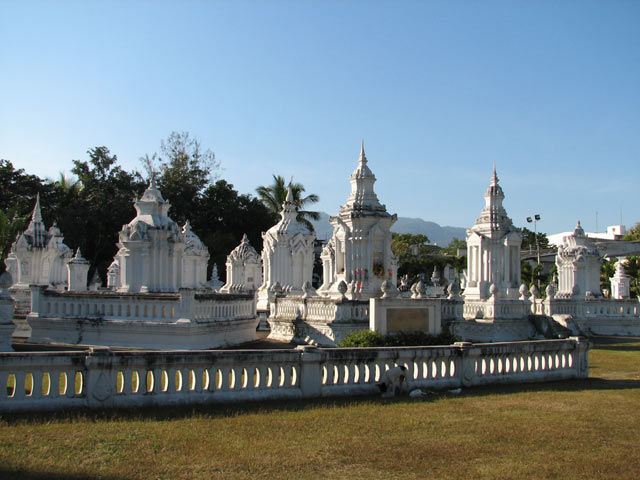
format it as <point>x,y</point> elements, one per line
<point>77,271</point>
<point>620,283</point>
<point>359,251</point>
<point>154,254</point>
<point>244,268</point>
<point>493,246</point>
<point>287,255</point>
<point>157,295</point>
<point>578,264</point>
<point>194,259</point>
<point>38,256</point>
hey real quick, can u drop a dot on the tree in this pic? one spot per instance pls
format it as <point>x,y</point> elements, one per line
<point>183,171</point>
<point>225,216</point>
<point>91,217</point>
<point>405,245</point>
<point>274,195</point>
<point>17,198</point>
<point>632,264</point>
<point>11,224</point>
<point>529,240</point>
<point>19,189</point>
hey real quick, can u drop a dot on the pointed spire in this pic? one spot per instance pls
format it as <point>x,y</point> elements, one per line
<point>245,239</point>
<point>494,178</point>
<point>152,183</point>
<point>37,214</point>
<point>363,157</point>
<point>289,198</point>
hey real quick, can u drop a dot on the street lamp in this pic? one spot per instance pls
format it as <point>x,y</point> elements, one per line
<point>535,219</point>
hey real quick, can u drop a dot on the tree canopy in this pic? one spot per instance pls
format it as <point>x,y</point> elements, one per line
<point>529,240</point>
<point>274,195</point>
<point>92,206</point>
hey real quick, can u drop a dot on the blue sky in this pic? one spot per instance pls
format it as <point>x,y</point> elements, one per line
<point>550,90</point>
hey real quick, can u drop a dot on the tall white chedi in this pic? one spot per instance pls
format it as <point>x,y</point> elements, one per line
<point>154,254</point>
<point>244,268</point>
<point>359,251</point>
<point>287,254</point>
<point>38,256</point>
<point>578,263</point>
<point>493,250</point>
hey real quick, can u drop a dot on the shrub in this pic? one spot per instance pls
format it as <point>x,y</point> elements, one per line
<point>367,338</point>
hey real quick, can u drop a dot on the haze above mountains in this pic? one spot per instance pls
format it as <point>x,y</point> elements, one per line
<point>436,233</point>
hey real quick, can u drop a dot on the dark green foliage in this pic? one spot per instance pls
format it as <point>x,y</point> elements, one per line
<point>529,240</point>
<point>369,339</point>
<point>274,195</point>
<point>223,216</point>
<point>92,216</point>
<point>632,265</point>
<point>183,171</point>
<point>416,258</point>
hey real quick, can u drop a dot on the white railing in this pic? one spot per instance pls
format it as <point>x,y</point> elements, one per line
<point>591,307</point>
<point>148,306</point>
<point>320,309</point>
<point>103,378</point>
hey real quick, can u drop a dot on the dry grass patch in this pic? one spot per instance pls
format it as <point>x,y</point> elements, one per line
<point>572,429</point>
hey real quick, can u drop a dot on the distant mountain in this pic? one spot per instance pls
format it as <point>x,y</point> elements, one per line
<point>437,234</point>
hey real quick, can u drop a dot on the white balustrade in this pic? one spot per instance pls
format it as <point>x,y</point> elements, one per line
<point>103,378</point>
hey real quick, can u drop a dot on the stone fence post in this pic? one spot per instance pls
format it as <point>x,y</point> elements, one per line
<point>582,356</point>
<point>468,356</point>
<point>100,377</point>
<point>310,370</point>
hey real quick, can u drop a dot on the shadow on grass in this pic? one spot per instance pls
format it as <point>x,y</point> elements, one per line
<point>272,406</point>
<point>9,474</point>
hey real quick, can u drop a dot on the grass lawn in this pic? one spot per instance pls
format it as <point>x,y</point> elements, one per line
<point>571,429</point>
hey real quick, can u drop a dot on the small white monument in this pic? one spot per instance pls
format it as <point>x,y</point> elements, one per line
<point>77,269</point>
<point>38,256</point>
<point>620,283</point>
<point>359,251</point>
<point>244,268</point>
<point>493,246</point>
<point>578,264</point>
<point>154,254</point>
<point>287,255</point>
<point>194,260</point>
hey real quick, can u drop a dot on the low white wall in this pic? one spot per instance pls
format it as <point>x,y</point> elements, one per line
<point>105,378</point>
<point>189,319</point>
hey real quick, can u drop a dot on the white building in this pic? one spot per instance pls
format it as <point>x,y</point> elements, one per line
<point>244,268</point>
<point>287,254</point>
<point>578,264</point>
<point>359,251</point>
<point>620,283</point>
<point>38,256</point>
<point>614,232</point>
<point>154,254</point>
<point>493,246</point>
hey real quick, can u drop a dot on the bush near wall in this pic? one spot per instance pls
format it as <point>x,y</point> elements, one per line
<point>367,338</point>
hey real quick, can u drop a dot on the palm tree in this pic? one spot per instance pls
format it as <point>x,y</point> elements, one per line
<point>273,197</point>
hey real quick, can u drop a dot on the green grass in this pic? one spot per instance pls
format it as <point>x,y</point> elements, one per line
<point>572,429</point>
